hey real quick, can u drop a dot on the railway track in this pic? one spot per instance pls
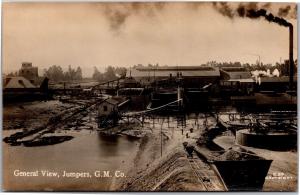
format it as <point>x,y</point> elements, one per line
<point>206,176</point>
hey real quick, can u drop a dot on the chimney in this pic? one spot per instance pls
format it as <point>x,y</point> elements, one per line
<point>291,59</point>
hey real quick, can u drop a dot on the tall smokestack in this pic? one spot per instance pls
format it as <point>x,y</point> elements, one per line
<point>291,57</point>
<point>250,11</point>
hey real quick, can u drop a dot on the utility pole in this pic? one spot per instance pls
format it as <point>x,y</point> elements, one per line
<point>161,141</point>
<point>161,137</point>
<point>291,58</point>
<point>257,55</point>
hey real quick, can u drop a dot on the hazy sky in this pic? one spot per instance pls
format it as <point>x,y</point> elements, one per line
<point>102,34</point>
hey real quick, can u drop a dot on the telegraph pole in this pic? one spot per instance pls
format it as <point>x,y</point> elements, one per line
<point>161,137</point>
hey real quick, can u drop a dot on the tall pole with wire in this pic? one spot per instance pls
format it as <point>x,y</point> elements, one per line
<point>161,141</point>
<point>257,55</point>
<point>161,137</point>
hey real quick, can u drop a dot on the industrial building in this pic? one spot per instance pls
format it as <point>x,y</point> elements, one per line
<point>28,71</point>
<point>202,86</point>
<point>26,86</point>
<point>194,76</point>
<point>236,81</point>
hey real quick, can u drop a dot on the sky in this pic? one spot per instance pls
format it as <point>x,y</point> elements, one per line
<point>125,34</point>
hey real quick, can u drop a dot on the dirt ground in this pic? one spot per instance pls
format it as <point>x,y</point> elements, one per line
<point>171,171</point>
<point>151,172</point>
<point>31,114</point>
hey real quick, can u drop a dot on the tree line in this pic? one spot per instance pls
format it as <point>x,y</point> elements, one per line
<point>110,73</point>
<point>56,73</point>
<point>283,68</point>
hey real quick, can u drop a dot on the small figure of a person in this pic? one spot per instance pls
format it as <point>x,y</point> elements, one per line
<point>190,150</point>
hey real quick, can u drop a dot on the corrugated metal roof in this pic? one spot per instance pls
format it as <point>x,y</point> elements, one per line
<point>239,75</point>
<point>167,71</point>
<point>250,80</point>
<point>175,68</point>
<point>236,73</point>
<point>17,83</point>
<point>234,69</point>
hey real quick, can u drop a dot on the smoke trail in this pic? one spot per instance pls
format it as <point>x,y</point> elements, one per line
<point>251,10</point>
<point>224,9</point>
<point>266,5</point>
<point>293,13</point>
<point>284,11</point>
<point>263,13</point>
<point>118,13</point>
<point>116,18</point>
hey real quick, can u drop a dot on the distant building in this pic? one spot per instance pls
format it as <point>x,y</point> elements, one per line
<point>28,71</point>
<point>193,76</point>
<point>228,73</point>
<point>108,106</point>
<point>17,83</point>
<point>21,83</point>
<point>111,105</point>
<point>129,82</point>
<point>18,88</point>
<point>27,86</point>
<point>236,81</point>
<point>278,84</point>
<point>108,111</point>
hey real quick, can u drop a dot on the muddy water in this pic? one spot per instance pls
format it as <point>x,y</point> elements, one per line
<point>87,152</point>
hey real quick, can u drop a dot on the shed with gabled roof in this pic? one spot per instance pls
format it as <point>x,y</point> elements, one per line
<point>17,82</point>
<point>110,105</point>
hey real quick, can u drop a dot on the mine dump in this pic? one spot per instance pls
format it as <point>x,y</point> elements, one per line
<point>208,127</point>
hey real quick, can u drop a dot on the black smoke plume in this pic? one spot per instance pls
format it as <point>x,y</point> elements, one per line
<point>262,13</point>
<point>284,11</point>
<point>116,18</point>
<point>118,13</point>
<point>224,9</point>
<point>251,10</point>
